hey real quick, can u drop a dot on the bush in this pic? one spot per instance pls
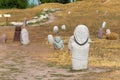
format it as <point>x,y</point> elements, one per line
<point>59,1</point>
<point>48,1</point>
<point>112,36</point>
<point>63,1</point>
<point>7,4</point>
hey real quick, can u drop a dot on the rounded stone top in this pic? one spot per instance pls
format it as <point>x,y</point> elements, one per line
<point>55,29</point>
<point>108,31</point>
<point>81,34</point>
<point>63,27</point>
<point>104,24</point>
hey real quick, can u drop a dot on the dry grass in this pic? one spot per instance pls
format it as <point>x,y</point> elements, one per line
<point>102,52</point>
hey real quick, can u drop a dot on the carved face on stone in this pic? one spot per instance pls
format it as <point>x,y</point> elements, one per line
<point>81,34</point>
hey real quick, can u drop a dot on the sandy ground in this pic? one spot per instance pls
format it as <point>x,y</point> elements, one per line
<point>16,63</point>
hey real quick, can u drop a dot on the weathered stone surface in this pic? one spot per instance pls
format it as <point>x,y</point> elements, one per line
<point>17,33</point>
<point>58,43</point>
<point>80,47</point>
<point>24,37</point>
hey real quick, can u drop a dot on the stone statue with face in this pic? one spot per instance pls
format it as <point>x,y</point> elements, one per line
<point>80,47</point>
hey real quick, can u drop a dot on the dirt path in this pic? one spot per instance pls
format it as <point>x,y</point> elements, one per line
<point>17,64</point>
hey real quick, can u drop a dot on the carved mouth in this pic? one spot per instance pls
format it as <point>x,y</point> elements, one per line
<point>80,43</point>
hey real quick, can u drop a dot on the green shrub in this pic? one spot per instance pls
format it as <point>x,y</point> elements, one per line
<point>7,4</point>
<point>59,1</point>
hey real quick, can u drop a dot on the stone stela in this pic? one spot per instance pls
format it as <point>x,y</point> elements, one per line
<point>79,47</point>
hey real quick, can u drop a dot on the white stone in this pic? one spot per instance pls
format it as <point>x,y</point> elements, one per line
<point>69,12</point>
<point>50,39</point>
<point>108,31</point>
<point>46,15</point>
<point>58,43</point>
<point>104,24</point>
<point>43,16</point>
<point>45,9</point>
<point>63,27</point>
<point>81,34</point>
<point>36,17</point>
<point>17,23</point>
<point>24,37</point>
<point>80,48</point>
<point>0,15</point>
<point>7,15</point>
<point>55,29</point>
<point>32,21</point>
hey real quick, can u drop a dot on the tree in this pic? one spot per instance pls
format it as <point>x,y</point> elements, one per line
<point>63,1</point>
<point>6,4</point>
<point>48,1</point>
<point>59,1</point>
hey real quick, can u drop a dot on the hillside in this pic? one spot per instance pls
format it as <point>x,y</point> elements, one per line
<point>86,5</point>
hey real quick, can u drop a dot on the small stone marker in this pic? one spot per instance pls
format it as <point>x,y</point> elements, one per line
<point>55,29</point>
<point>24,37</point>
<point>63,27</point>
<point>50,39</point>
<point>108,31</point>
<point>69,12</point>
<point>17,33</point>
<point>80,48</point>
<point>104,24</point>
<point>58,43</point>
<point>100,33</point>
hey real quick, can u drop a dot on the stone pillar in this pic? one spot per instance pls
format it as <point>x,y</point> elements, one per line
<point>80,48</point>
<point>24,37</point>
<point>104,24</point>
<point>100,33</point>
<point>50,39</point>
<point>17,33</point>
